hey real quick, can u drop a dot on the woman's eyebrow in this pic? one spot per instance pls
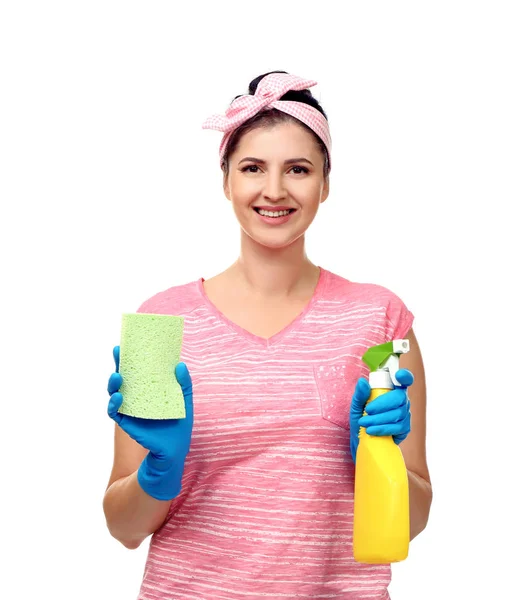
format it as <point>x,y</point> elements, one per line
<point>286,162</point>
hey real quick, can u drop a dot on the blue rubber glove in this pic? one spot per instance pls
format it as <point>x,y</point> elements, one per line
<point>168,440</point>
<point>388,414</point>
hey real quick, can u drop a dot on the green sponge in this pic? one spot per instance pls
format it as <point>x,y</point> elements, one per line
<point>150,350</point>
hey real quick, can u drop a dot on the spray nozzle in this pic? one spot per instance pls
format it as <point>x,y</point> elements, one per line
<point>385,357</point>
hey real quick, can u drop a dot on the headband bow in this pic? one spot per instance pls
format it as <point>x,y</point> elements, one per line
<point>267,95</point>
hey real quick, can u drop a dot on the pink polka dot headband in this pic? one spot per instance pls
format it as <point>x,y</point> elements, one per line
<point>267,94</point>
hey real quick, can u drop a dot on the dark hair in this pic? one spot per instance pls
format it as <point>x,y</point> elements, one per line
<point>273,116</point>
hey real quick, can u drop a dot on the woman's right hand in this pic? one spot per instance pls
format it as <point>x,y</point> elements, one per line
<point>168,440</point>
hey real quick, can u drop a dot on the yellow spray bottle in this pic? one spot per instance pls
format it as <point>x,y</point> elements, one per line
<point>381,525</point>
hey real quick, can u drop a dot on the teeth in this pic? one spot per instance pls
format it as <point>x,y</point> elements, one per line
<point>273,213</point>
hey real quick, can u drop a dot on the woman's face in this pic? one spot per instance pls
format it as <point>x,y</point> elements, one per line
<point>276,167</point>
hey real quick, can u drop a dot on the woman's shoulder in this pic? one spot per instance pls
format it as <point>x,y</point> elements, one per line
<point>340,287</point>
<point>177,299</point>
<point>369,300</point>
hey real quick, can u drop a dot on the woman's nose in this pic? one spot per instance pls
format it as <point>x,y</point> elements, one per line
<point>274,186</point>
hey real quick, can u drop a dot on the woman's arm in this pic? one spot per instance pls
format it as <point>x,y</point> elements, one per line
<point>414,446</point>
<point>131,514</point>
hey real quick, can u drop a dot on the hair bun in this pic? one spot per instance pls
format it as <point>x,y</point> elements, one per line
<point>254,83</point>
<point>294,95</point>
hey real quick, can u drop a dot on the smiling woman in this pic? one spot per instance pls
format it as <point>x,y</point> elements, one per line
<point>271,153</point>
<point>262,504</point>
<point>261,173</point>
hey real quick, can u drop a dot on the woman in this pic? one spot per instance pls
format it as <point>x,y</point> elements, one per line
<point>261,504</point>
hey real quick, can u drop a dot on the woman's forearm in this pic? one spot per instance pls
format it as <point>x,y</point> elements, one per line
<point>131,514</point>
<point>420,492</point>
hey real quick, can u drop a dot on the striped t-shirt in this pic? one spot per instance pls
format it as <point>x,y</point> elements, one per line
<point>266,507</point>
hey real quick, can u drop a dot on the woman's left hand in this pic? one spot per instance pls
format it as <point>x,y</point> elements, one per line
<point>388,414</point>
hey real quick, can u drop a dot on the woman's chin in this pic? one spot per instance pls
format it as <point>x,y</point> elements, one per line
<point>273,240</point>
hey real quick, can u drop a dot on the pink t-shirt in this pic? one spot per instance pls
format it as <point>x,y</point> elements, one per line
<point>266,507</point>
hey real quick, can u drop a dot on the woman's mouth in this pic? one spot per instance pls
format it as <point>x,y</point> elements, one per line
<point>274,217</point>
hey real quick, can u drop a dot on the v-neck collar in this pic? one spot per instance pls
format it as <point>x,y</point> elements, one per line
<point>277,337</point>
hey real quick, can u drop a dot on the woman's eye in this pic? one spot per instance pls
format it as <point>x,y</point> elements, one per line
<point>254,169</point>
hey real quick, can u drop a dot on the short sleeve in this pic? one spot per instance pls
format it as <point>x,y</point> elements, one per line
<point>399,319</point>
<point>160,303</point>
<point>145,307</point>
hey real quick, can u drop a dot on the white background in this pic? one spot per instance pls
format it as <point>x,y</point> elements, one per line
<point>111,192</point>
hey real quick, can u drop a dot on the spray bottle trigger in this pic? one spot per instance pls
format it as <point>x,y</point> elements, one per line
<point>399,347</point>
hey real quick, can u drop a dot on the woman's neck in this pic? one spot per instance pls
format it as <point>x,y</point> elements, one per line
<point>274,273</point>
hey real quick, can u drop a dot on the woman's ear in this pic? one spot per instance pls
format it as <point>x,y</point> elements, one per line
<point>226,188</point>
<point>325,189</point>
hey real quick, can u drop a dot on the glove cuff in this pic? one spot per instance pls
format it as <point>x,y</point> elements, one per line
<point>354,444</point>
<point>159,479</point>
